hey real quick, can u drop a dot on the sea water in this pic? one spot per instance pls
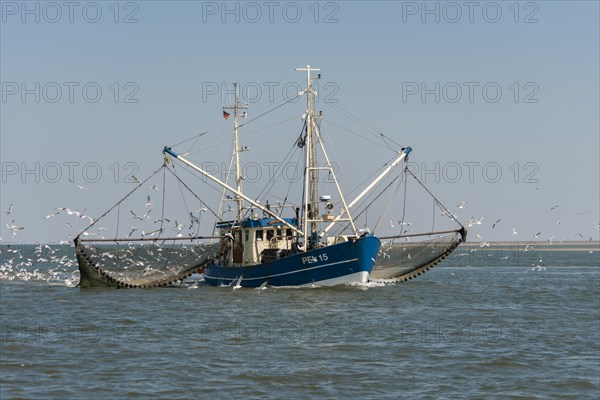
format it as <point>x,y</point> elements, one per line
<point>482,324</point>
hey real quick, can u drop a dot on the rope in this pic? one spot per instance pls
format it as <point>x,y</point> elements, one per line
<point>446,211</point>
<point>387,208</point>
<point>374,200</point>
<point>120,201</point>
<point>164,191</point>
<point>267,112</point>
<point>192,192</point>
<point>403,204</point>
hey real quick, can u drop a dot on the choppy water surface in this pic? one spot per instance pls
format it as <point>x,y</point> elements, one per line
<point>480,325</point>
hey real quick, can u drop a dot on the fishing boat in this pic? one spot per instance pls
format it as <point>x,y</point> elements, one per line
<point>302,243</point>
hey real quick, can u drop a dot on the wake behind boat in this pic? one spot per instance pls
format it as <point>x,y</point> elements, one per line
<point>285,244</point>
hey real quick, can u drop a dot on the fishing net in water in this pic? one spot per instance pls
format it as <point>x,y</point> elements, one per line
<point>130,264</point>
<point>139,242</point>
<point>403,254</point>
<point>400,259</point>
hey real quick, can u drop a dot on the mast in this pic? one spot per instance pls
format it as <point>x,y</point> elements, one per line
<point>311,201</point>
<point>236,107</point>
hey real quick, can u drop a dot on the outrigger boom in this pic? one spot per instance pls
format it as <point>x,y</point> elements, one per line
<point>403,154</point>
<point>170,152</point>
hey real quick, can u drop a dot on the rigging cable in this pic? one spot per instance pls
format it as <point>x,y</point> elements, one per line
<point>446,211</point>
<point>120,201</point>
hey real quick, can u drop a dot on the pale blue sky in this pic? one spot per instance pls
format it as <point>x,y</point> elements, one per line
<point>376,57</point>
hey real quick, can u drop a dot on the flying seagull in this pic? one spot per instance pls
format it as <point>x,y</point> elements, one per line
<point>14,228</point>
<point>474,221</point>
<point>135,216</point>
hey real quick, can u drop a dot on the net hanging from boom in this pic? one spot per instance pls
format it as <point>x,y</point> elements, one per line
<point>405,255</point>
<point>135,248</point>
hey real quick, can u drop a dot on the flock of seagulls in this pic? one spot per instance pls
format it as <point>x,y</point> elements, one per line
<point>141,217</point>
<point>475,221</point>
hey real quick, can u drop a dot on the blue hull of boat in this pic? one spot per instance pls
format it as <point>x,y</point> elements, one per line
<point>334,264</point>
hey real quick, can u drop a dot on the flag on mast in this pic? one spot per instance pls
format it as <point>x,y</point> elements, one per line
<point>225,114</point>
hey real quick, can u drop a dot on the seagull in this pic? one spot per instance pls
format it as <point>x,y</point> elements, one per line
<point>557,222</point>
<point>514,231</point>
<point>461,205</point>
<point>133,229</point>
<point>493,226</point>
<point>178,227</point>
<point>229,209</point>
<point>14,228</point>
<point>8,211</point>
<point>194,220</point>
<point>577,234</point>
<point>135,216</point>
<point>478,236</point>
<point>537,235</point>
<point>449,215</point>
<point>135,179</point>
<point>154,187</point>
<point>162,220</point>
<point>78,214</point>
<point>474,221</point>
<point>147,214</point>
<point>392,224</point>
<point>552,208</point>
<point>148,202</point>
<point>51,215</point>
